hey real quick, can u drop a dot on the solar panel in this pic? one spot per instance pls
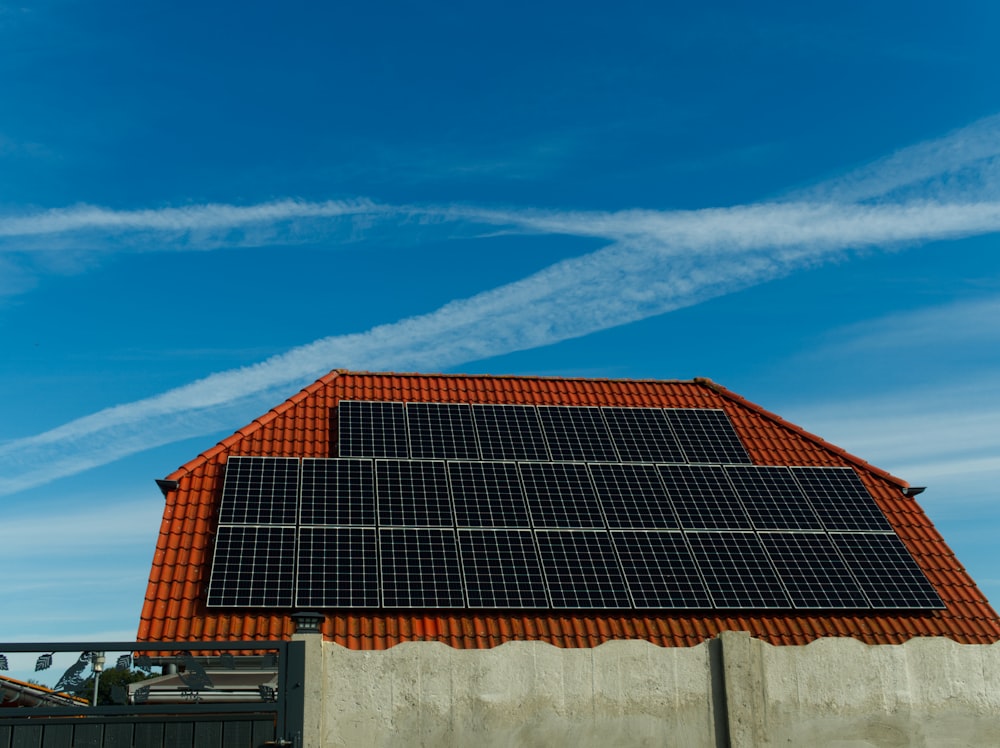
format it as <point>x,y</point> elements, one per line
<point>371,429</point>
<point>337,567</point>
<point>487,494</point>
<point>642,435</point>
<point>337,492</point>
<point>840,499</point>
<point>420,568</point>
<point>253,567</point>
<point>772,498</point>
<point>660,570</point>
<point>260,491</point>
<point>736,570</point>
<point>886,571</point>
<point>509,432</point>
<point>633,496</point>
<point>703,497</point>
<point>581,569</point>
<point>576,433</point>
<point>707,436</point>
<point>812,571</point>
<point>501,569</point>
<point>441,431</point>
<point>559,494</point>
<point>412,493</point>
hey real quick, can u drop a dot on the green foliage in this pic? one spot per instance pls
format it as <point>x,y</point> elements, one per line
<point>110,679</point>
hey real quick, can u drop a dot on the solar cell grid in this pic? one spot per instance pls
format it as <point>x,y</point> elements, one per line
<point>736,570</point>
<point>253,567</point>
<point>772,498</point>
<point>581,569</point>
<point>886,571</point>
<point>577,433</point>
<point>441,431</point>
<point>337,492</point>
<point>420,568</point>
<point>642,435</point>
<point>660,570</point>
<point>509,432</point>
<point>487,494</point>
<point>707,435</point>
<point>337,567</point>
<point>812,571</point>
<point>371,429</point>
<point>501,569</point>
<point>260,491</point>
<point>412,493</point>
<point>560,494</point>
<point>633,496</point>
<point>703,497</point>
<point>840,499</point>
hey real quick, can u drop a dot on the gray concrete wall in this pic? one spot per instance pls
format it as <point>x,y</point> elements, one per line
<point>840,692</point>
<point>732,691</point>
<point>519,694</point>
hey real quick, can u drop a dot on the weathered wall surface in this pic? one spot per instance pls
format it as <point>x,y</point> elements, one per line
<point>732,691</point>
<point>519,694</point>
<point>840,692</point>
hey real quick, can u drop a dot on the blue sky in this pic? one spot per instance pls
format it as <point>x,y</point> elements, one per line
<point>204,209</point>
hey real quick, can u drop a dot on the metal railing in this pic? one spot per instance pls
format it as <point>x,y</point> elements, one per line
<point>221,694</point>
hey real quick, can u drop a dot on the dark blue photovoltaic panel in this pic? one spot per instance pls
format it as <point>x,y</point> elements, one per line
<point>736,570</point>
<point>642,435</point>
<point>337,492</point>
<point>371,429</point>
<point>560,495</point>
<point>441,431</point>
<point>501,569</point>
<point>772,498</point>
<point>254,567</point>
<point>337,567</point>
<point>707,436</point>
<point>581,569</point>
<point>660,570</point>
<point>420,568</point>
<point>412,493</point>
<point>886,571</point>
<point>812,571</point>
<point>509,432</point>
<point>703,498</point>
<point>260,491</point>
<point>576,433</point>
<point>633,496</point>
<point>840,499</point>
<point>487,494</point>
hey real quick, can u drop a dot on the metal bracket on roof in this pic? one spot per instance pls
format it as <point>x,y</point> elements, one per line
<point>166,486</point>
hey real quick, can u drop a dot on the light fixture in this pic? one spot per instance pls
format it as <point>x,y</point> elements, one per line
<point>97,665</point>
<point>912,491</point>
<point>307,622</point>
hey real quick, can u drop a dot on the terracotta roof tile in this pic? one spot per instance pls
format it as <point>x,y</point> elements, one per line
<point>174,606</point>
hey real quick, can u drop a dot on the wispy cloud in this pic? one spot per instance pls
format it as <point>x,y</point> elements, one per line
<point>657,261</point>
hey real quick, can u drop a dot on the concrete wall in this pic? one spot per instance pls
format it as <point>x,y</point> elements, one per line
<point>519,694</point>
<point>733,690</point>
<point>840,692</point>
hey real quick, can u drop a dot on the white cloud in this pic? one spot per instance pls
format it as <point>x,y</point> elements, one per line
<point>658,261</point>
<point>960,323</point>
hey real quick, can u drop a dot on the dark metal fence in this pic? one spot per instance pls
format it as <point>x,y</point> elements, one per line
<point>212,694</point>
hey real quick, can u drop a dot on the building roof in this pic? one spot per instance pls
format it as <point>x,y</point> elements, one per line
<point>175,608</point>
<point>19,693</point>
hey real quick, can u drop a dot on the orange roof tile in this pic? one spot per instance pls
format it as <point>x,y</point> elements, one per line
<point>175,608</point>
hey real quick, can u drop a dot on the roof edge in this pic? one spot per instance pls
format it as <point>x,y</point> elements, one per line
<point>864,465</point>
<point>256,424</point>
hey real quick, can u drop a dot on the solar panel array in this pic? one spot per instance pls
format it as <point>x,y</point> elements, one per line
<point>433,505</point>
